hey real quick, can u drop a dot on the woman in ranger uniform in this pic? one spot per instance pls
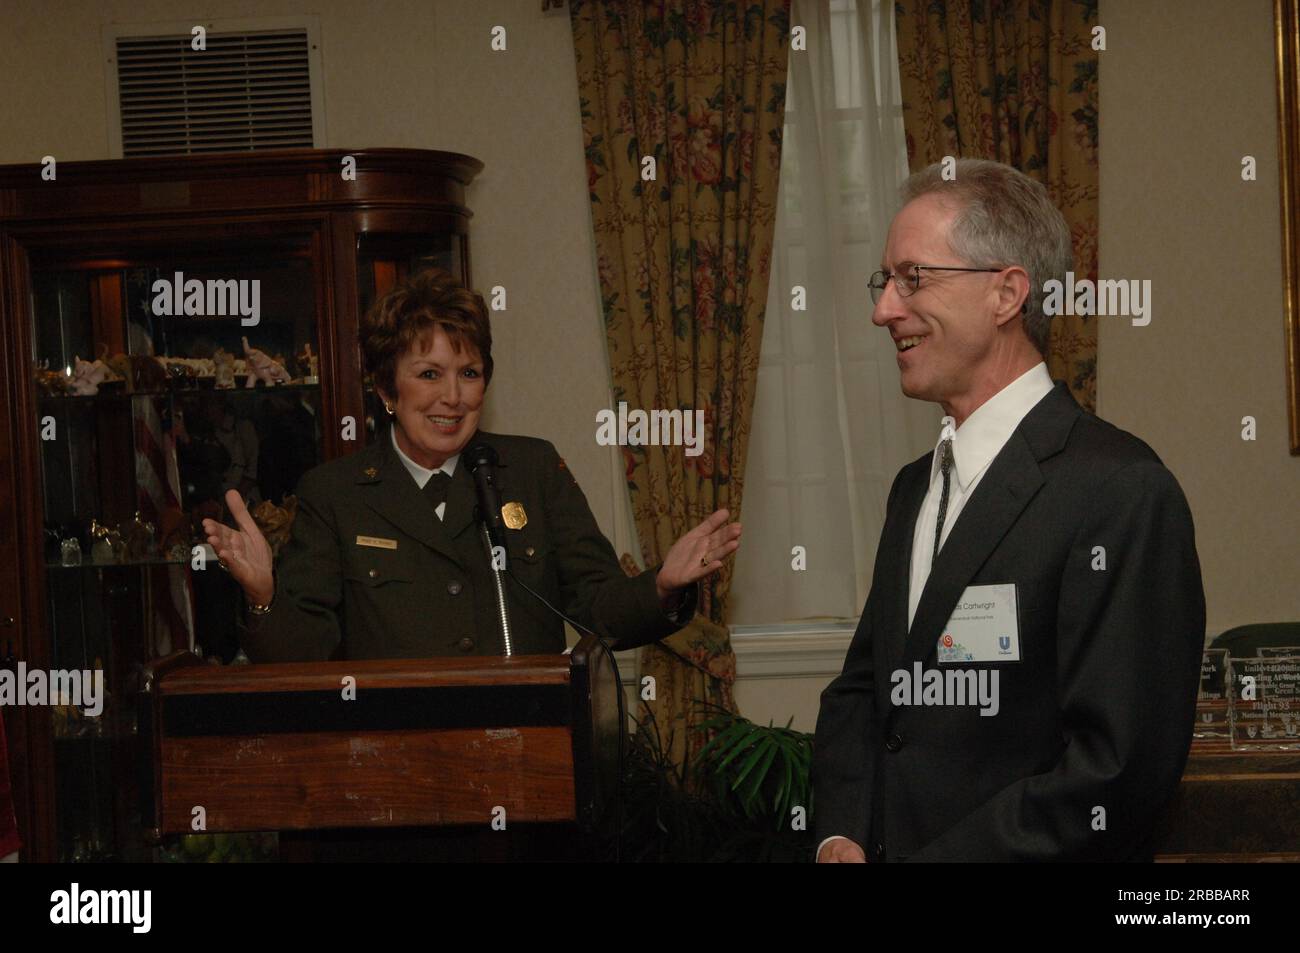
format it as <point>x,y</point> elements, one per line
<point>386,558</point>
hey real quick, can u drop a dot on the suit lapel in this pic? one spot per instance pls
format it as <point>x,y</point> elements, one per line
<point>911,495</point>
<point>1012,480</point>
<point>462,501</point>
<point>462,498</point>
<point>393,494</point>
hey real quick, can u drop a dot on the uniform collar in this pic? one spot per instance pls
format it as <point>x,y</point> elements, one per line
<point>421,474</point>
<point>397,497</point>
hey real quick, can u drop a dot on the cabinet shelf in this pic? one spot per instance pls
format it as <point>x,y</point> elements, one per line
<point>108,739</point>
<point>136,564</point>
<point>115,395</point>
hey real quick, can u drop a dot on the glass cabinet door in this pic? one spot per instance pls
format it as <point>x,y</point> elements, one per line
<point>164,378</point>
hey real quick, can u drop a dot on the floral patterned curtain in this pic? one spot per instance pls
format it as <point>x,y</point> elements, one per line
<point>682,109</point>
<point>1016,82</point>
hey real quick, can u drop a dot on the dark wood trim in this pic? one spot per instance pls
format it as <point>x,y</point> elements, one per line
<point>183,185</point>
<point>426,162</point>
<point>340,353</point>
<point>1233,805</point>
<point>1286,31</point>
<point>370,674</point>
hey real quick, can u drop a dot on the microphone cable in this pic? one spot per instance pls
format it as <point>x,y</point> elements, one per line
<point>622,708</point>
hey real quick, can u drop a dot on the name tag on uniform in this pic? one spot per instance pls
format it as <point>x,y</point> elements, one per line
<point>983,626</point>
<point>378,542</point>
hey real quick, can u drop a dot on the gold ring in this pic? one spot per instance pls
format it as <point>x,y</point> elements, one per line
<point>222,564</point>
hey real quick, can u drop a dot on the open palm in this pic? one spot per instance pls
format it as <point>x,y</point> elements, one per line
<point>699,553</point>
<point>244,551</point>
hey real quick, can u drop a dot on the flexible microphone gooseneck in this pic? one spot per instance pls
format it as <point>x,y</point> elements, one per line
<point>622,707</point>
<point>482,462</point>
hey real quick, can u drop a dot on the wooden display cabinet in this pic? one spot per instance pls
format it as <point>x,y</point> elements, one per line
<point>80,256</point>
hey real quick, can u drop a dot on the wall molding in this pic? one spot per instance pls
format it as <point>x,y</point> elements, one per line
<point>793,650</point>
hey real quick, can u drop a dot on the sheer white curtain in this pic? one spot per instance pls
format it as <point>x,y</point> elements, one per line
<point>831,427</point>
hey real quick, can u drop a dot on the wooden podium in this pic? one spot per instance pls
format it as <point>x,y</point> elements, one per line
<point>372,744</point>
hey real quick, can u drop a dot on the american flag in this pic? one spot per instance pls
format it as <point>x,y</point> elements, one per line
<point>169,596</point>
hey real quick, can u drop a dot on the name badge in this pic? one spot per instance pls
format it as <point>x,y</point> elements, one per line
<point>378,542</point>
<point>983,627</point>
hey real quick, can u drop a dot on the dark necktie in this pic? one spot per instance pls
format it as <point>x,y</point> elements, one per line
<point>945,467</point>
<point>435,491</point>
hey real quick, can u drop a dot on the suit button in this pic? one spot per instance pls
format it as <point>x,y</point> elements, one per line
<point>530,551</point>
<point>878,852</point>
<point>453,587</point>
<point>467,645</point>
<point>894,743</point>
<point>374,574</point>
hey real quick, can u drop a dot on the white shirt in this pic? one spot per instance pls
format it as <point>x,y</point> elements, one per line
<point>975,443</point>
<point>421,474</point>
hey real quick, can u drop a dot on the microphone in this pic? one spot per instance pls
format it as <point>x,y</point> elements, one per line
<point>482,462</point>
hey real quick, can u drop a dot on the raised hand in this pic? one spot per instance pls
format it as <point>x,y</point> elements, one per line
<point>699,553</point>
<point>244,552</point>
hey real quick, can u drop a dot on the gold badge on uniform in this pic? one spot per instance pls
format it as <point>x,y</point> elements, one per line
<point>514,516</point>
<point>378,542</point>
<point>370,471</point>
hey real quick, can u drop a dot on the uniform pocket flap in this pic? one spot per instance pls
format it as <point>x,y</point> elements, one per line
<point>377,575</point>
<point>529,551</point>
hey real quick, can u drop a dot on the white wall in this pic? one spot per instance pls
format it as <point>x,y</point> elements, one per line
<point>1187,90</point>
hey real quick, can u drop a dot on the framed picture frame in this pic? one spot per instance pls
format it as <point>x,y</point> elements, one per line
<point>1286,17</point>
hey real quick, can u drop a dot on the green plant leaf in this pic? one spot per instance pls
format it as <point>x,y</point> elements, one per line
<point>756,752</point>
<point>760,775</point>
<point>739,747</point>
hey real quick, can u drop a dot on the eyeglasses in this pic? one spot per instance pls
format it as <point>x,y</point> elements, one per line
<point>911,275</point>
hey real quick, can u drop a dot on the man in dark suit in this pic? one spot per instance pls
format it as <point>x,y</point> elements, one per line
<point>1022,682</point>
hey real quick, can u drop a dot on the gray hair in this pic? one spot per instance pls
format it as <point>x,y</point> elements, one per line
<point>1006,219</point>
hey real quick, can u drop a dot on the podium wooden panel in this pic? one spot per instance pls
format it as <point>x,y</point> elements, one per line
<point>423,742</point>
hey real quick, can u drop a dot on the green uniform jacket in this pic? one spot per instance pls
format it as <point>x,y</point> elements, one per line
<point>371,572</point>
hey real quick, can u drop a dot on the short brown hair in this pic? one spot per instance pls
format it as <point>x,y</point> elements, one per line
<point>432,298</point>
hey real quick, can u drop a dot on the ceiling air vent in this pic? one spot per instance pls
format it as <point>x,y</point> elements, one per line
<point>245,91</point>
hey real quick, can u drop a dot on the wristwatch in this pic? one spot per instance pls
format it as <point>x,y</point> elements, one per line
<point>257,609</point>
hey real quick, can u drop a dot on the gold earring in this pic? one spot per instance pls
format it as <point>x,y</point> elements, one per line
<point>388,409</point>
